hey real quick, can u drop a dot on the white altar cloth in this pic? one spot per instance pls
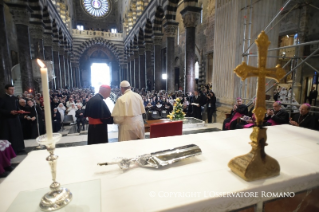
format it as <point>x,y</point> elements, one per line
<point>187,185</point>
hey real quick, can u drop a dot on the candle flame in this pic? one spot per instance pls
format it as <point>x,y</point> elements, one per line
<point>40,63</point>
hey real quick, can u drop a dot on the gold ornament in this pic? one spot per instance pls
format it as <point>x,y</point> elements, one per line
<point>257,164</point>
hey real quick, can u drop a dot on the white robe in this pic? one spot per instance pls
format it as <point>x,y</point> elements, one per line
<point>61,111</point>
<point>127,113</point>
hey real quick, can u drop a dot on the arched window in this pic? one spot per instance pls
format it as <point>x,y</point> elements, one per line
<point>196,70</point>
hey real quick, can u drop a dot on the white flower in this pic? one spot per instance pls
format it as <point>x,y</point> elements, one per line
<point>4,144</point>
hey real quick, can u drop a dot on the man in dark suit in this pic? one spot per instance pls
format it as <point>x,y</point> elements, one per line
<point>197,103</point>
<point>80,118</point>
<point>276,116</point>
<point>304,118</point>
<point>313,95</point>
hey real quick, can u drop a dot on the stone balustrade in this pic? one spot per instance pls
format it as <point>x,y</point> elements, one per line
<point>93,34</point>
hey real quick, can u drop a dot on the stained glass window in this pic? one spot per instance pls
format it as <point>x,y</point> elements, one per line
<point>97,8</point>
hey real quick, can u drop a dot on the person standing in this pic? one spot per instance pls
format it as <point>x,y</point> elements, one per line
<point>99,116</point>
<point>197,103</point>
<point>211,106</point>
<point>10,126</point>
<point>127,113</point>
<point>313,95</point>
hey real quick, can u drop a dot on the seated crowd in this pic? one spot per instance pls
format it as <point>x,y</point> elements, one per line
<point>162,102</point>
<point>71,103</point>
<point>241,117</point>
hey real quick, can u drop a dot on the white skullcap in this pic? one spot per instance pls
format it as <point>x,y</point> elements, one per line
<point>125,84</point>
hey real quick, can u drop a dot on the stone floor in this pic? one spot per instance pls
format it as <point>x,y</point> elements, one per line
<point>71,138</point>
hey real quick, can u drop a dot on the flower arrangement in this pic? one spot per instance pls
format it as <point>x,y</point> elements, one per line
<point>177,112</point>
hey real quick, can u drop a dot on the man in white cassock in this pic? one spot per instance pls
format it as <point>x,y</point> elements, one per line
<point>127,113</point>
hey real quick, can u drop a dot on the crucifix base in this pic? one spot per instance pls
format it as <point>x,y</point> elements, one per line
<point>256,164</point>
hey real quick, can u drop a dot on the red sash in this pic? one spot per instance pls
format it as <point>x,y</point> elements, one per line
<point>272,122</point>
<point>250,124</point>
<point>93,121</point>
<point>237,115</point>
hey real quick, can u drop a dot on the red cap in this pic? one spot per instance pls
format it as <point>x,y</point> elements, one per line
<point>105,86</point>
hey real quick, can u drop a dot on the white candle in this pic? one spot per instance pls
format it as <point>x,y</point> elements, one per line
<point>46,99</point>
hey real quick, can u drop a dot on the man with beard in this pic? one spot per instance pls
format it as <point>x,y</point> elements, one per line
<point>99,116</point>
<point>10,126</point>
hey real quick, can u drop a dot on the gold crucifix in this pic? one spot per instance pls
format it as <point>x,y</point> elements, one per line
<point>257,164</point>
<point>244,71</point>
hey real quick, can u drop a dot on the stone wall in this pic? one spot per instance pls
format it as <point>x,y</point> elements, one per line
<point>204,37</point>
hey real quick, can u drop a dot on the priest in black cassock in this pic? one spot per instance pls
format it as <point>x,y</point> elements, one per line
<point>99,116</point>
<point>197,103</point>
<point>10,126</point>
<point>56,120</point>
<point>238,111</point>
<point>304,118</point>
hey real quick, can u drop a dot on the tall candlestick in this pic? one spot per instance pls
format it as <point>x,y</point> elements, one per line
<point>46,99</point>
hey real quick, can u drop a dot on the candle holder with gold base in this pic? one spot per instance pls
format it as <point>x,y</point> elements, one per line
<point>256,164</point>
<point>58,197</point>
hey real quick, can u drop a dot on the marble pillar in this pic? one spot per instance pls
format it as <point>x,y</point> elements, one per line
<point>170,31</point>
<point>5,61</point>
<point>36,32</point>
<point>148,66</point>
<point>56,62</point>
<point>66,69</point>
<point>137,69</point>
<point>190,18</point>
<point>21,20</point>
<point>62,67</point>
<point>75,79</point>
<point>157,38</point>
<point>132,71</point>
<point>79,71</point>
<point>142,67</point>
<point>127,75</point>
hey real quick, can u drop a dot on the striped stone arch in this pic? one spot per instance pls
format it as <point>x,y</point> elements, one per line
<point>78,51</point>
<point>55,31</point>
<point>171,10</point>
<point>36,15</point>
<point>159,14</point>
<point>135,43</point>
<point>47,23</point>
<point>141,38</point>
<point>148,31</point>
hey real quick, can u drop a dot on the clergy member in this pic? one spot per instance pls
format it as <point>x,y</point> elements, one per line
<point>276,116</point>
<point>304,118</point>
<point>238,111</point>
<point>10,126</point>
<point>99,116</point>
<point>127,113</point>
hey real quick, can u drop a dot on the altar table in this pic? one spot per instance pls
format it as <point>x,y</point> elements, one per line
<point>195,184</point>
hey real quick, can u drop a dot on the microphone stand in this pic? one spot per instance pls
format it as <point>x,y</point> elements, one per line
<point>37,117</point>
